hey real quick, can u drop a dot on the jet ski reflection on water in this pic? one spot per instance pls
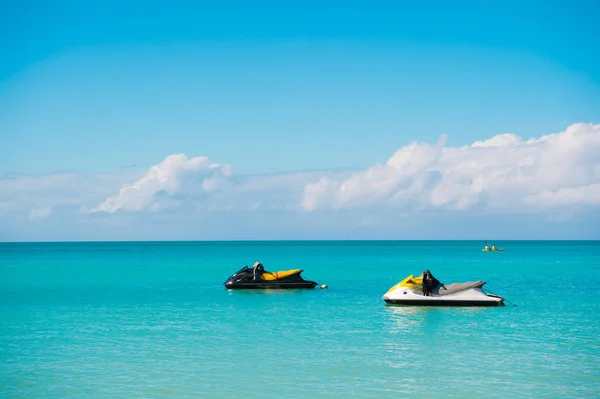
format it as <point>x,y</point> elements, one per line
<point>258,278</point>
<point>410,292</point>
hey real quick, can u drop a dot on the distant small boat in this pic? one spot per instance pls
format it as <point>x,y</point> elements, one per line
<point>492,250</point>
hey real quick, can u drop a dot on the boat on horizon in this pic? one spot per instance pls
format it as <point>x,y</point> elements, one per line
<point>492,248</point>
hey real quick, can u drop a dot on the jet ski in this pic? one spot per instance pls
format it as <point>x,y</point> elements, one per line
<point>244,279</point>
<point>410,292</point>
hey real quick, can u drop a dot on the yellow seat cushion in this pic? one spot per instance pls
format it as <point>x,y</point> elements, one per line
<point>270,276</point>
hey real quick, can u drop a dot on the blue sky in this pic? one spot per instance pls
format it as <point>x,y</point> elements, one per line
<point>111,89</point>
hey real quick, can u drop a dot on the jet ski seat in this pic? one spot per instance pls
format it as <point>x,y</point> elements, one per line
<point>270,276</point>
<point>447,289</point>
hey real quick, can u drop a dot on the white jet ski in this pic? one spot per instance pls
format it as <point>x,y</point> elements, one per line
<point>410,292</point>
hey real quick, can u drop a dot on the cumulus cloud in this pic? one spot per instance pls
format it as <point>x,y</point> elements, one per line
<point>559,171</point>
<point>504,172</point>
<point>486,187</point>
<point>156,189</point>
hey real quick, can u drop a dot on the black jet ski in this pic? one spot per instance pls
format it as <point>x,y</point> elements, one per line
<point>244,279</point>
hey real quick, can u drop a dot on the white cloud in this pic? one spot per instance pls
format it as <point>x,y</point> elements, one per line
<point>39,213</point>
<point>548,186</point>
<point>421,188</point>
<point>166,178</point>
<point>504,172</point>
<point>585,195</point>
<point>24,197</point>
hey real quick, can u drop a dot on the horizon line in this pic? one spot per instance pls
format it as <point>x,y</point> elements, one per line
<point>288,240</point>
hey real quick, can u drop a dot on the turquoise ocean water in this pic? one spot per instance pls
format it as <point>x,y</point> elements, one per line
<point>152,320</point>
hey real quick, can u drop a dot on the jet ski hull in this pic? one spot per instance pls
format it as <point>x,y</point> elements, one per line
<point>442,302</point>
<point>272,285</point>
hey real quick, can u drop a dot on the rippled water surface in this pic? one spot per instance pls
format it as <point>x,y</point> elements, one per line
<point>107,320</point>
